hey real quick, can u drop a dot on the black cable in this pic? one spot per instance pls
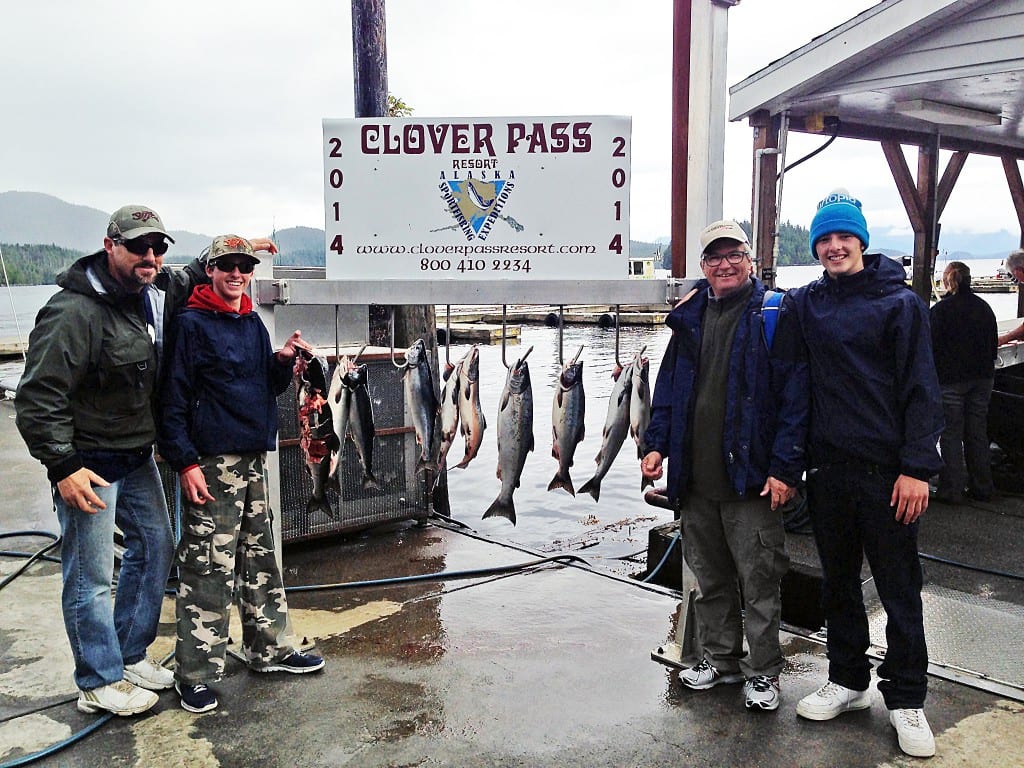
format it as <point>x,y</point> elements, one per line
<point>31,558</point>
<point>969,567</point>
<point>822,148</point>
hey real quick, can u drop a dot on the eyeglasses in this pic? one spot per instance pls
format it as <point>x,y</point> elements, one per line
<point>245,267</point>
<point>733,257</point>
<point>140,246</point>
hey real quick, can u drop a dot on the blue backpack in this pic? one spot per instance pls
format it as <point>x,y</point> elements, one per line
<point>770,315</point>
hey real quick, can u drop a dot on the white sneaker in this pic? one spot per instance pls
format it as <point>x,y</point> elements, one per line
<point>762,692</point>
<point>121,698</point>
<point>831,700</point>
<point>913,731</point>
<point>149,674</point>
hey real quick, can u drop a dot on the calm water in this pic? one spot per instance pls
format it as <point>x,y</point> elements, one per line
<point>548,521</point>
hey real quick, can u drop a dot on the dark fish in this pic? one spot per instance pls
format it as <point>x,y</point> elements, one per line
<point>471,415</point>
<point>420,401</point>
<point>616,425</point>
<point>317,439</point>
<point>640,406</point>
<point>515,436</point>
<point>449,411</point>
<point>360,422</point>
<point>568,410</point>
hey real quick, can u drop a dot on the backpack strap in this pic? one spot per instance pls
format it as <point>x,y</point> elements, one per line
<point>770,315</point>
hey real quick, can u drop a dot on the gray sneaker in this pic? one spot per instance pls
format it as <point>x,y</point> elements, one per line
<point>762,692</point>
<point>121,698</point>
<point>705,675</point>
<point>831,700</point>
<point>914,733</point>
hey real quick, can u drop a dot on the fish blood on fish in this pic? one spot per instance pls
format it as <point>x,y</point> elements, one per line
<point>317,439</point>
<point>568,409</point>
<point>471,415</point>
<point>616,425</point>
<point>420,401</point>
<point>515,436</point>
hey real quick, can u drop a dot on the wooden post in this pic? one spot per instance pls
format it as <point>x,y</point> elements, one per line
<point>681,12</point>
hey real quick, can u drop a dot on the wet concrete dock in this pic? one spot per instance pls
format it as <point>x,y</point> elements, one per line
<point>547,666</point>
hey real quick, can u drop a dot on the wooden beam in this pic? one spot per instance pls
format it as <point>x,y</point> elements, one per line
<point>926,240</point>
<point>681,23</point>
<point>1013,180</point>
<point>948,180</point>
<point>764,205</point>
<point>904,184</point>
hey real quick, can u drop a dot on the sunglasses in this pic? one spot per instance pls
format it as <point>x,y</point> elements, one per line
<point>245,267</point>
<point>733,257</point>
<point>140,246</point>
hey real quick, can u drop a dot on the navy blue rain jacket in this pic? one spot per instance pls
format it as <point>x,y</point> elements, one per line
<point>766,399</point>
<point>221,388</point>
<point>875,395</point>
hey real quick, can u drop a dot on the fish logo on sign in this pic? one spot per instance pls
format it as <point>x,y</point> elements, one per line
<point>476,203</point>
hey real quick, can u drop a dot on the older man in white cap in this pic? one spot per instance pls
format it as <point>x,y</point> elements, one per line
<point>730,414</point>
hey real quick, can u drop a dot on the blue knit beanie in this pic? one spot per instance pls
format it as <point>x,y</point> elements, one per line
<point>839,212</point>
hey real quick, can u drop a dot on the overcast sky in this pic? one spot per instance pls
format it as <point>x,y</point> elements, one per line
<point>210,111</point>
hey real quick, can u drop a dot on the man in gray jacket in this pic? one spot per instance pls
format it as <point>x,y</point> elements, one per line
<point>85,410</point>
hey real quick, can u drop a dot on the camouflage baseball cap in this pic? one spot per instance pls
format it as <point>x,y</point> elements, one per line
<point>133,221</point>
<point>224,245</point>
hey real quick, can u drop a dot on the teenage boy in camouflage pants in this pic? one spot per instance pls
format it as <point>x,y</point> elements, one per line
<point>219,419</point>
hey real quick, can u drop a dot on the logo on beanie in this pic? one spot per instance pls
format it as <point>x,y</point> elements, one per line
<point>839,196</point>
<point>143,216</point>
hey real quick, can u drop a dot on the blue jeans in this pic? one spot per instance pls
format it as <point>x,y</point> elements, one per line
<point>965,437</point>
<point>852,519</point>
<point>105,638</point>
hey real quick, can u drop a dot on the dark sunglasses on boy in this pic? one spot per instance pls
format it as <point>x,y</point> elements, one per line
<point>140,246</point>
<point>245,267</point>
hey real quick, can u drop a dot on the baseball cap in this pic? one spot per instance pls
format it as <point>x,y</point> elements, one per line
<point>225,245</point>
<point>727,228</point>
<point>131,221</point>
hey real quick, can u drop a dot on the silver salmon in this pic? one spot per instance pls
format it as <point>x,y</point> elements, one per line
<point>339,397</point>
<point>420,401</point>
<point>515,436</point>
<point>471,415</point>
<point>449,411</point>
<point>360,422</point>
<point>616,425</point>
<point>317,439</point>
<point>640,406</point>
<point>568,409</point>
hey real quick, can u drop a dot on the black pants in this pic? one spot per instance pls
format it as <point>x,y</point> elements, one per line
<point>852,518</point>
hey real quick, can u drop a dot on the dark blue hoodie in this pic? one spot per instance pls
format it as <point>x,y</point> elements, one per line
<point>875,397</point>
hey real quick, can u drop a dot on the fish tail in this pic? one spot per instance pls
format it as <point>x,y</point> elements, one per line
<point>644,482</point>
<point>369,481</point>
<point>560,481</point>
<point>593,487</point>
<point>319,505</point>
<point>423,464</point>
<point>501,508</point>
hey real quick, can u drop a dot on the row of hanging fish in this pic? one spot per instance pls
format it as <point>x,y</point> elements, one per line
<point>331,413</point>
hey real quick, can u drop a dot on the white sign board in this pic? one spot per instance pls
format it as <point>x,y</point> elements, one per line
<point>535,198</point>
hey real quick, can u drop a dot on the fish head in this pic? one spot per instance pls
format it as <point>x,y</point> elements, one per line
<point>572,374</point>
<point>471,364</point>
<point>415,353</point>
<point>519,377</point>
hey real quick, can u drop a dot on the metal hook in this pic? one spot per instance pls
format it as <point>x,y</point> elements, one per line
<point>391,327</point>
<point>447,335</point>
<point>504,315</point>
<point>617,363</point>
<point>560,308</point>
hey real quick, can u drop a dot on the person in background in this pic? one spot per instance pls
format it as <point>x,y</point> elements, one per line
<point>876,417</point>
<point>964,346</point>
<point>732,420</point>
<point>85,410</point>
<point>1015,266</point>
<point>218,420</point>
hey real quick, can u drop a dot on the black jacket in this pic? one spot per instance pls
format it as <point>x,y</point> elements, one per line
<point>964,335</point>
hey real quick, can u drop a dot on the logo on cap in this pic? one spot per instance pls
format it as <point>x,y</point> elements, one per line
<point>143,216</point>
<point>235,242</point>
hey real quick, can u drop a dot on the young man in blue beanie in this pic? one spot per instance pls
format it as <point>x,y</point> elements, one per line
<point>876,416</point>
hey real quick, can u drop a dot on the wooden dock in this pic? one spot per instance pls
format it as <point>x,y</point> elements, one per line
<point>542,314</point>
<point>10,348</point>
<point>479,333</point>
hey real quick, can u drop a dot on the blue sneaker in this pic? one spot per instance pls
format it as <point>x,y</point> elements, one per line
<point>296,662</point>
<point>196,698</point>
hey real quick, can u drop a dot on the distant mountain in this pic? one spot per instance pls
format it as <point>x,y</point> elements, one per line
<point>33,218</point>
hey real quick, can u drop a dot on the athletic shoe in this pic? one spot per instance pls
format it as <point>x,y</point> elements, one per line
<point>913,731</point>
<point>705,675</point>
<point>149,674</point>
<point>196,698</point>
<point>296,662</point>
<point>831,700</point>
<point>762,692</point>
<point>121,698</point>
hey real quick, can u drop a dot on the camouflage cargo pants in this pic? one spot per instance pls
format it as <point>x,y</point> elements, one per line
<point>227,549</point>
